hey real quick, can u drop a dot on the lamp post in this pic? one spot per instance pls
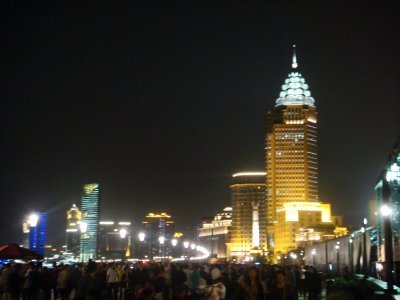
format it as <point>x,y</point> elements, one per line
<point>386,213</point>
<point>365,263</point>
<point>161,240</point>
<point>83,228</point>
<point>337,247</point>
<point>186,246</point>
<point>142,237</point>
<point>313,253</point>
<point>351,254</point>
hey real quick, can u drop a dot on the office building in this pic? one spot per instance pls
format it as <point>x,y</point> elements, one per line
<point>300,224</point>
<point>291,148</point>
<point>34,230</point>
<point>213,233</point>
<point>114,240</point>
<point>158,232</point>
<point>248,231</point>
<point>73,234</point>
<point>89,225</point>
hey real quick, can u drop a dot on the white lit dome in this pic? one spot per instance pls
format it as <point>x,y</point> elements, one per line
<point>295,90</point>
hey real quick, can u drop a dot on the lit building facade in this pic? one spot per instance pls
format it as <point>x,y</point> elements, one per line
<point>300,224</point>
<point>214,234</point>
<point>248,230</point>
<point>34,230</point>
<point>89,225</point>
<point>114,239</point>
<point>158,232</point>
<point>73,235</point>
<point>291,148</point>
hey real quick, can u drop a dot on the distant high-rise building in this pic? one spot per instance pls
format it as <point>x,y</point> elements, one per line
<point>158,232</point>
<point>291,148</point>
<point>248,230</point>
<point>73,235</point>
<point>114,239</point>
<point>35,227</point>
<point>89,225</point>
<point>213,233</point>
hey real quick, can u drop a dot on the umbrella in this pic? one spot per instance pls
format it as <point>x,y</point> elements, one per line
<point>13,251</point>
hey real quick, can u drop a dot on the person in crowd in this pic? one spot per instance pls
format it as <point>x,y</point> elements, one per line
<point>280,289</point>
<point>252,287</point>
<point>112,282</point>
<point>87,287</point>
<point>315,285</point>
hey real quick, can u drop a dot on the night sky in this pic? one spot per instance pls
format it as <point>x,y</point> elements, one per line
<point>160,102</point>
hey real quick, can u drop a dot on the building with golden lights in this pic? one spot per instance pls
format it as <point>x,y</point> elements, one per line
<point>114,239</point>
<point>158,232</point>
<point>73,234</point>
<point>291,148</point>
<point>300,224</point>
<point>213,233</point>
<point>248,230</point>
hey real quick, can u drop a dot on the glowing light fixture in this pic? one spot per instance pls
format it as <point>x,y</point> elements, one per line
<point>249,174</point>
<point>33,220</point>
<point>123,233</point>
<point>142,236</point>
<point>83,227</point>
<point>386,210</point>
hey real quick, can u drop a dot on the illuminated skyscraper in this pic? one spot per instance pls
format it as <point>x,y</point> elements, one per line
<point>248,230</point>
<point>89,225</point>
<point>158,230</point>
<point>73,235</point>
<point>291,148</point>
<point>37,223</point>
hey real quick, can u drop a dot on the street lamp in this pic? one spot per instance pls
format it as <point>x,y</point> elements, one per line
<point>83,228</point>
<point>364,232</point>
<point>313,253</point>
<point>386,213</point>
<point>33,220</point>
<point>141,236</point>
<point>186,244</point>
<point>174,242</point>
<point>337,247</point>
<point>123,233</point>
<point>351,254</point>
<point>161,239</point>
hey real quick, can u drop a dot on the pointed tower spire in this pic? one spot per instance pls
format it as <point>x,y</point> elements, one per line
<point>294,59</point>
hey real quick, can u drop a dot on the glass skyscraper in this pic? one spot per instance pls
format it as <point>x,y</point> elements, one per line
<point>89,224</point>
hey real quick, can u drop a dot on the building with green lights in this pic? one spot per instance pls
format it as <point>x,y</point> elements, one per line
<point>89,224</point>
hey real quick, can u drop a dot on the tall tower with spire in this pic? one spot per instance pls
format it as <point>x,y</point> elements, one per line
<point>291,148</point>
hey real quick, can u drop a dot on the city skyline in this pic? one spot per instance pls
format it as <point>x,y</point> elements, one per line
<point>160,108</point>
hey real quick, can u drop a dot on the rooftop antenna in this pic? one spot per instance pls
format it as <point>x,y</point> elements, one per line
<point>294,59</point>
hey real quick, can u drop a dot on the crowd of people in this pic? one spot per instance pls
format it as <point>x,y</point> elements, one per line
<point>159,281</point>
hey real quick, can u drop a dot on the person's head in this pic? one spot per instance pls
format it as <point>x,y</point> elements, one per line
<point>91,268</point>
<point>251,275</point>
<point>280,277</point>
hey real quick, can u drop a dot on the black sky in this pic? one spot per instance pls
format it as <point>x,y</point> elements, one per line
<point>160,102</point>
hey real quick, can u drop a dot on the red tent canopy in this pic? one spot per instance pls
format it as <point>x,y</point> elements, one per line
<point>13,251</point>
